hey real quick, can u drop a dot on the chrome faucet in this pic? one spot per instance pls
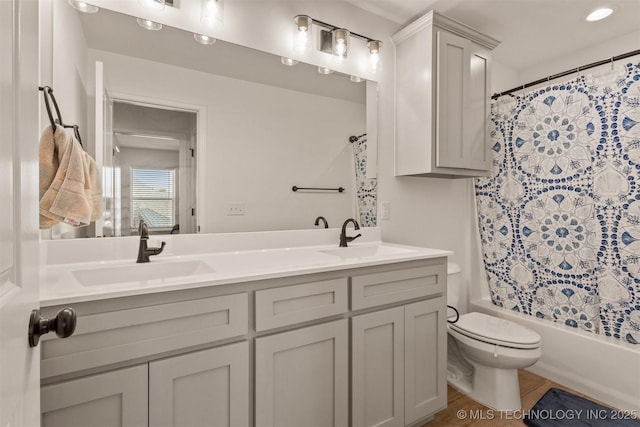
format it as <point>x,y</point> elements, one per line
<point>143,251</point>
<point>323,219</point>
<point>344,239</point>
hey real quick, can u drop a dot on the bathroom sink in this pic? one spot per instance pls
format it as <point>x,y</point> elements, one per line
<point>153,271</point>
<point>367,252</point>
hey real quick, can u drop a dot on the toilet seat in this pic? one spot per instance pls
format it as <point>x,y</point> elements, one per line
<point>496,331</point>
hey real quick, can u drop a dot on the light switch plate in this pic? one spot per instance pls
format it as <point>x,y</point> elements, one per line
<point>385,210</point>
<point>235,208</point>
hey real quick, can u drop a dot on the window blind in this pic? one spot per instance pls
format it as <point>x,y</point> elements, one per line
<point>153,197</point>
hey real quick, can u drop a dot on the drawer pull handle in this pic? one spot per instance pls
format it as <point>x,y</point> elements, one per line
<point>64,324</point>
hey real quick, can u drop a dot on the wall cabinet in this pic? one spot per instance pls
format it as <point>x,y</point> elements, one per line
<point>358,347</point>
<point>443,92</point>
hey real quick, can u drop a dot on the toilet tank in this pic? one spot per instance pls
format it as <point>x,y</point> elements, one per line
<point>454,283</point>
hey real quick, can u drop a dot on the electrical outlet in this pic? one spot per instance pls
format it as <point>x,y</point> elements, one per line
<point>235,208</point>
<point>385,210</point>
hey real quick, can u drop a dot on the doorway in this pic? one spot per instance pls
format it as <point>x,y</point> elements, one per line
<point>152,175</point>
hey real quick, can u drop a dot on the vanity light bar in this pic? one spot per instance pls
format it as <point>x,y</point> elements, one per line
<point>333,27</point>
<point>339,39</point>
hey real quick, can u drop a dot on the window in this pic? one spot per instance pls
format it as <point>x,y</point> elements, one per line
<point>153,197</point>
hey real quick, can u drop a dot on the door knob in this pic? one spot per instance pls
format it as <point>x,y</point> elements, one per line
<point>63,324</point>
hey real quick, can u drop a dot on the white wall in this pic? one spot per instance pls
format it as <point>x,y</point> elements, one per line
<point>63,50</point>
<point>260,141</point>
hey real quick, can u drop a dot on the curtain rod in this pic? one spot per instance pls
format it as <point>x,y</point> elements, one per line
<point>569,72</point>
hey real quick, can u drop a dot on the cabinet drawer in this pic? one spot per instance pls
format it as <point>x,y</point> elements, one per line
<point>370,290</point>
<point>300,303</point>
<point>117,336</point>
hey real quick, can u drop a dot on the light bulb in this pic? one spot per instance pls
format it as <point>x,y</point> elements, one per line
<point>83,7</point>
<point>212,11</point>
<point>374,55</point>
<point>302,33</point>
<point>149,25</point>
<point>340,44</point>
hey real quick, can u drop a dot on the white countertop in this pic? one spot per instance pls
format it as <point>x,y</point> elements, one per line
<point>64,282</point>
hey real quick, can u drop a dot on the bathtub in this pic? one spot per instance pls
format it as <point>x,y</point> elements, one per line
<point>591,364</point>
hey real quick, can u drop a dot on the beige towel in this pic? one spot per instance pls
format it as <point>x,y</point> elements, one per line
<point>51,148</point>
<point>96,188</point>
<point>68,198</point>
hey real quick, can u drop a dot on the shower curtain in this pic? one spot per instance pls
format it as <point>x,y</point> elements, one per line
<point>366,188</point>
<point>559,217</point>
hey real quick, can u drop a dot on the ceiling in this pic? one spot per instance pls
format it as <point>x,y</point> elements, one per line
<point>531,31</point>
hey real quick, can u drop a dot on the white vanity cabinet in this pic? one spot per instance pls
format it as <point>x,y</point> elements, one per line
<point>354,346</point>
<point>302,377</point>
<point>399,364</point>
<point>442,99</point>
<point>117,398</point>
<point>201,389</point>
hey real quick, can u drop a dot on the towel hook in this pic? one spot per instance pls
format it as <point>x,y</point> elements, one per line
<point>76,132</point>
<point>55,105</point>
<point>48,106</point>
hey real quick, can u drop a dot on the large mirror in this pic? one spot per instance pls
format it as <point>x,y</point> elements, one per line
<point>208,138</point>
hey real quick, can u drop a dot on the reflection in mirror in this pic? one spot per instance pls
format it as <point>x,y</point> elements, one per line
<point>253,126</point>
<point>154,170</point>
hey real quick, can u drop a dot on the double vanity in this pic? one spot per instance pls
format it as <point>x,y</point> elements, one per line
<point>268,329</point>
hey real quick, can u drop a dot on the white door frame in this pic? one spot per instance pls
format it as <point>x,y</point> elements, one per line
<point>201,112</point>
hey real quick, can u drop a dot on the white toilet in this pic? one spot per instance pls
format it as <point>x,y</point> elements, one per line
<point>484,353</point>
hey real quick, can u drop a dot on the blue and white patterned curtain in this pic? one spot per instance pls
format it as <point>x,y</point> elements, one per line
<point>367,188</point>
<point>559,216</point>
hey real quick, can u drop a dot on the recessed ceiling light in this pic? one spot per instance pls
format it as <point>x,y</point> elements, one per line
<point>324,70</point>
<point>599,14</point>
<point>356,79</point>
<point>202,39</point>
<point>288,61</point>
<point>83,7</point>
<point>149,25</point>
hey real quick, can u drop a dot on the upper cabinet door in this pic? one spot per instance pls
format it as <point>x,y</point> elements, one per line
<point>452,78</point>
<point>442,99</point>
<point>478,114</point>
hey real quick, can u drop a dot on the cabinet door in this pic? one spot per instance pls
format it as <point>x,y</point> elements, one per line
<point>302,377</point>
<point>452,82</point>
<point>204,388</point>
<point>378,368</point>
<point>116,398</point>
<point>478,114</point>
<point>425,350</point>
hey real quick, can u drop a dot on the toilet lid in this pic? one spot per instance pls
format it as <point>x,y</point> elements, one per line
<point>496,331</point>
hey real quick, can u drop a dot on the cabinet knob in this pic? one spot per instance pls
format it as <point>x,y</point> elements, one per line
<point>64,324</point>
